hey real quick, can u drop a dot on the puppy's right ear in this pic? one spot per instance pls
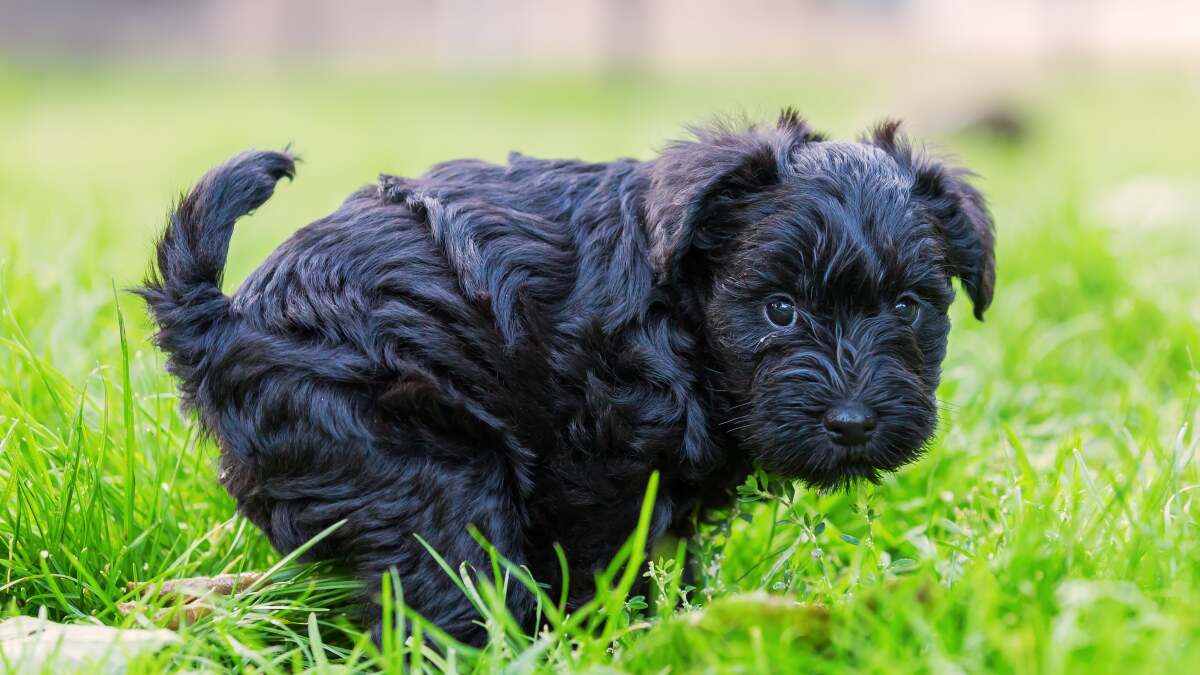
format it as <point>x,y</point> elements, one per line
<point>695,187</point>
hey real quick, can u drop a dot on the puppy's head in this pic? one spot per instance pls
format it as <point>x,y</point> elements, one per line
<point>823,272</point>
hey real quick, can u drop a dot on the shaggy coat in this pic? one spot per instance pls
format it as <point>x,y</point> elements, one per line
<point>518,347</point>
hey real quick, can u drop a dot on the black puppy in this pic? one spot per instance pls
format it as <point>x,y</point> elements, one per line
<point>518,347</point>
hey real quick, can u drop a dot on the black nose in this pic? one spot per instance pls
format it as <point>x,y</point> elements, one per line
<point>849,423</point>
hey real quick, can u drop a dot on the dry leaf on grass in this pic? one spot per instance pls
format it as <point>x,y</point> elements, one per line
<point>34,645</point>
<point>199,587</point>
<point>192,592</point>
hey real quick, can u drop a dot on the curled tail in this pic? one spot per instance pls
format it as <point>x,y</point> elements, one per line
<point>184,289</point>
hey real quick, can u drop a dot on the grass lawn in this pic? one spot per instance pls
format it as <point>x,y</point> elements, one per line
<point>1053,528</point>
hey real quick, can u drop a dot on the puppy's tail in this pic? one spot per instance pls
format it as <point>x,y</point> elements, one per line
<point>184,289</point>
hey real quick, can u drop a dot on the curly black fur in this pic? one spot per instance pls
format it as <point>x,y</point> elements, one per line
<point>518,347</point>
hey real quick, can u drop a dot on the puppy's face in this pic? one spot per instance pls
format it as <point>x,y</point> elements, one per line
<point>828,313</point>
<point>827,298</point>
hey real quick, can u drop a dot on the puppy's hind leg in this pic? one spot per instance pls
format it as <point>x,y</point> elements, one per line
<point>302,452</point>
<point>438,503</point>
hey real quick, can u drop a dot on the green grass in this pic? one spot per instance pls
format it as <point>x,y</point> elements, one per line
<point>1053,527</point>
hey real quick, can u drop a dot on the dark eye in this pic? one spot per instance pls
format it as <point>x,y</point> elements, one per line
<point>908,309</point>
<point>781,312</point>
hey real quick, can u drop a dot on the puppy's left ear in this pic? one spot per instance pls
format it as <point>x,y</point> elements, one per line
<point>960,212</point>
<point>969,231</point>
<point>697,186</point>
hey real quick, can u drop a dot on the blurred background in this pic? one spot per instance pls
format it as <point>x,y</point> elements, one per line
<point>599,34</point>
